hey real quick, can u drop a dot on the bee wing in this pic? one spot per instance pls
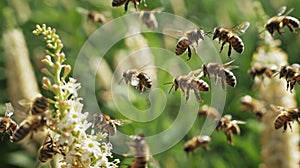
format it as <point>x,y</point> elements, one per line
<point>9,110</point>
<point>82,10</point>
<point>238,122</point>
<point>241,28</point>
<point>174,32</point>
<point>230,67</point>
<point>121,121</point>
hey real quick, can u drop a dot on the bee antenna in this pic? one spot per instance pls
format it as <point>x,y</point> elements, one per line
<point>120,81</point>
<point>275,74</point>
<point>261,31</point>
<point>167,83</point>
<point>171,88</point>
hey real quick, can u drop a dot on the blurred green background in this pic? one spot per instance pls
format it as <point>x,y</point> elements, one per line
<point>74,30</point>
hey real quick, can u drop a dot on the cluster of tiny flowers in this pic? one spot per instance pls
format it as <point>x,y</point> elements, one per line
<point>70,125</point>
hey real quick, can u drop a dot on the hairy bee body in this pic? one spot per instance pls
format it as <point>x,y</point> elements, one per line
<point>149,19</point>
<point>256,106</point>
<point>34,122</point>
<point>31,123</point>
<point>220,71</point>
<point>8,126</point>
<point>137,79</point>
<point>229,127</point>
<point>48,150</point>
<point>190,82</point>
<point>209,111</point>
<point>291,75</point>
<point>286,117</point>
<point>196,142</point>
<point>231,37</point>
<point>191,39</point>
<point>116,3</point>
<point>277,23</point>
<point>96,17</point>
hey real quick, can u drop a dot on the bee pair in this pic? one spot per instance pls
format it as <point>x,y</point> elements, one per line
<point>224,123</point>
<point>34,122</point>
<point>231,36</point>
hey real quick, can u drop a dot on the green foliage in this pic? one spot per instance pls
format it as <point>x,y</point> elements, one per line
<point>74,30</point>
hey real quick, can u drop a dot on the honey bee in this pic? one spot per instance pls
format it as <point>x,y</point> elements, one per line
<point>231,36</point>
<point>229,127</point>
<point>137,79</point>
<point>261,71</point>
<point>285,117</point>
<point>48,150</point>
<point>116,3</point>
<point>256,106</point>
<point>291,75</point>
<point>92,16</point>
<point>277,23</point>
<point>149,18</point>
<point>220,71</point>
<point>190,39</point>
<point>196,142</point>
<point>190,82</point>
<point>35,121</point>
<point>107,125</point>
<point>7,125</point>
<point>209,111</point>
<point>140,150</point>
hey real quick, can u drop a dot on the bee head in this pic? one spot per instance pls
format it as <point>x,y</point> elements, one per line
<point>217,31</point>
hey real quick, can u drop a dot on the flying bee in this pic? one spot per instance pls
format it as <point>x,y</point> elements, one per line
<point>190,39</point>
<point>7,125</point>
<point>285,117</point>
<point>291,75</point>
<point>209,111</point>
<point>229,127</point>
<point>256,106</point>
<point>137,79</point>
<point>231,36</point>
<point>96,17</point>
<point>196,142</point>
<point>190,82</point>
<point>278,22</point>
<point>261,71</point>
<point>107,125</point>
<point>149,18</point>
<point>116,3</point>
<point>35,121</point>
<point>140,150</point>
<point>220,71</point>
<point>49,149</point>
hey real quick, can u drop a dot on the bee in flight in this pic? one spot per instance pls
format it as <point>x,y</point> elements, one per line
<point>190,39</point>
<point>35,121</point>
<point>116,3</point>
<point>219,71</point>
<point>285,117</point>
<point>149,19</point>
<point>261,71</point>
<point>291,75</point>
<point>7,125</point>
<point>196,142</point>
<point>257,107</point>
<point>229,127</point>
<point>140,150</point>
<point>48,149</point>
<point>137,79</point>
<point>278,22</point>
<point>92,16</point>
<point>208,111</point>
<point>231,36</point>
<point>107,125</point>
<point>189,82</point>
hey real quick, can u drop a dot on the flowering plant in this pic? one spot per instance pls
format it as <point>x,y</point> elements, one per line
<point>68,124</point>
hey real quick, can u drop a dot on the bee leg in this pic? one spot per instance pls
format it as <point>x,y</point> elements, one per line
<point>284,127</point>
<point>222,46</point>
<point>229,50</point>
<point>291,29</point>
<point>189,53</point>
<point>290,125</point>
<point>229,137</point>
<point>187,96</point>
<point>126,6</point>
<point>223,84</point>
<point>198,98</point>
<point>134,3</point>
<point>182,89</point>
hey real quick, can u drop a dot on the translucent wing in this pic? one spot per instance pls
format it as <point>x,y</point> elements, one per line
<point>9,110</point>
<point>241,28</point>
<point>174,32</point>
<point>282,10</point>
<point>121,121</point>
